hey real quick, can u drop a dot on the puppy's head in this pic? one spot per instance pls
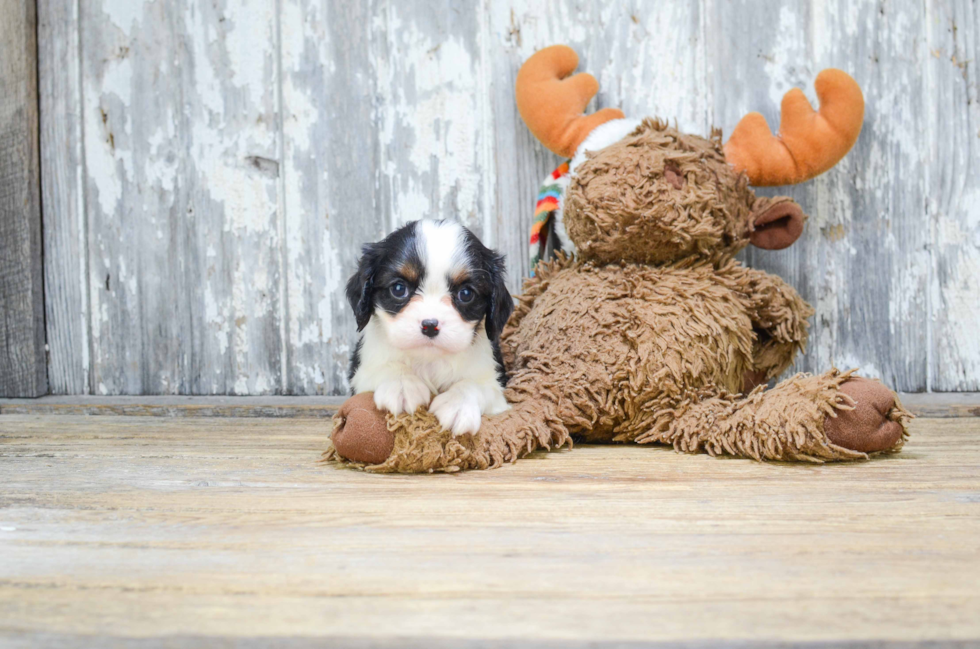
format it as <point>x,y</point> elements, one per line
<point>430,286</point>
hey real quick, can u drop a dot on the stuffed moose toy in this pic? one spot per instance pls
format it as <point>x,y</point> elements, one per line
<point>652,332</point>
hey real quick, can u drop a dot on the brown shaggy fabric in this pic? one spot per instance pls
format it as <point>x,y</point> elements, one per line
<point>646,354</point>
<point>785,423</point>
<point>622,205</point>
<point>650,335</point>
<point>421,446</point>
<point>616,346</point>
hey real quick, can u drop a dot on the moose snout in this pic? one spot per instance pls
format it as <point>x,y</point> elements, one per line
<point>430,328</point>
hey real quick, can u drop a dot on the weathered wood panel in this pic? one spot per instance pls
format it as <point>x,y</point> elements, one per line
<point>205,532</point>
<point>63,196</point>
<point>951,165</point>
<point>23,371</point>
<point>434,121</point>
<point>863,261</point>
<point>386,121</point>
<point>623,45</point>
<point>331,151</point>
<point>180,106</point>
<point>247,150</point>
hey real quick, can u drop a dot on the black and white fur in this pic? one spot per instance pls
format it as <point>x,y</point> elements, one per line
<point>430,301</point>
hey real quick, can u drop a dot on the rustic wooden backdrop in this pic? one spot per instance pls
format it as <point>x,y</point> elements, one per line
<point>211,167</point>
<point>22,358</point>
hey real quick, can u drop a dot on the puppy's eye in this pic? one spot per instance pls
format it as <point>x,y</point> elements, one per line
<point>466,295</point>
<point>399,290</point>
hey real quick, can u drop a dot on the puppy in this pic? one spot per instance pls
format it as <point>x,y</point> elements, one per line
<point>430,301</point>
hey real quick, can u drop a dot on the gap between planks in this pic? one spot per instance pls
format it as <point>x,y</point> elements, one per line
<point>937,405</point>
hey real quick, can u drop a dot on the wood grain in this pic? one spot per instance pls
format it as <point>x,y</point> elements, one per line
<point>385,122</point>
<point>215,530</point>
<point>332,154</point>
<point>863,261</point>
<point>934,405</point>
<point>953,181</point>
<point>620,44</point>
<point>63,195</point>
<point>181,178</point>
<point>23,371</point>
<point>316,407</point>
<point>248,151</point>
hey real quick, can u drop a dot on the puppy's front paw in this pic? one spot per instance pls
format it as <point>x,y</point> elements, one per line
<point>457,411</point>
<point>404,394</point>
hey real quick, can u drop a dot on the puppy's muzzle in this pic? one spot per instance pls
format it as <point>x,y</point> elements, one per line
<point>430,328</point>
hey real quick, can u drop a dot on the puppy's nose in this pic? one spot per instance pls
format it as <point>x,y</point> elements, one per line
<point>430,328</point>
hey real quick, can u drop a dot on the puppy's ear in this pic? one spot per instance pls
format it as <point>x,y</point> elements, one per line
<point>501,304</point>
<point>361,284</point>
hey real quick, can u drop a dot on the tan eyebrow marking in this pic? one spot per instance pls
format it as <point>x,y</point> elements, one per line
<point>409,272</point>
<point>459,277</point>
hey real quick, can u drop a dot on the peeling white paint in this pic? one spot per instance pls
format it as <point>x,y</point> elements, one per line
<point>301,115</point>
<point>201,171</point>
<point>866,368</point>
<point>430,124</point>
<point>958,241</point>
<point>782,73</point>
<point>158,170</point>
<point>123,13</point>
<point>248,43</point>
<point>214,314</point>
<point>105,134</point>
<point>678,92</point>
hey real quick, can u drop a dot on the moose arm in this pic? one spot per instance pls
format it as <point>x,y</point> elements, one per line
<point>779,317</point>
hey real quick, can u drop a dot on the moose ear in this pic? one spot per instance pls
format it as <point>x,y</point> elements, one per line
<point>776,223</point>
<point>361,284</point>
<point>501,304</point>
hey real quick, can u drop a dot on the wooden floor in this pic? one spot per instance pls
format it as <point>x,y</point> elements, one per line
<point>141,531</point>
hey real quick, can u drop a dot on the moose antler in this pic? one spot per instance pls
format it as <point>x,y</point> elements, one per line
<point>809,142</point>
<point>552,103</point>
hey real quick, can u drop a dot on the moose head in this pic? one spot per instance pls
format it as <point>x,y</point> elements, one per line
<point>641,191</point>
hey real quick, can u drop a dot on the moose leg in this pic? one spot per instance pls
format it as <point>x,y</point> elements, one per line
<point>416,443</point>
<point>833,416</point>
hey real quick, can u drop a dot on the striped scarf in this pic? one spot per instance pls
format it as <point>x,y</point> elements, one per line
<point>548,229</point>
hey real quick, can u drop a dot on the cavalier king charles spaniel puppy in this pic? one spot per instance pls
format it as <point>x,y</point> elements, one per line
<point>430,303</point>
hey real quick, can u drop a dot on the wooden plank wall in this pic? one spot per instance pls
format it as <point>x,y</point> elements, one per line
<point>23,371</point>
<point>210,169</point>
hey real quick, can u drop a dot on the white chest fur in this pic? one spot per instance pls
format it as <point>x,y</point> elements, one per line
<point>402,380</point>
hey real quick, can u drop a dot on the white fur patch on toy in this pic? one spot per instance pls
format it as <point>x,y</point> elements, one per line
<point>603,135</point>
